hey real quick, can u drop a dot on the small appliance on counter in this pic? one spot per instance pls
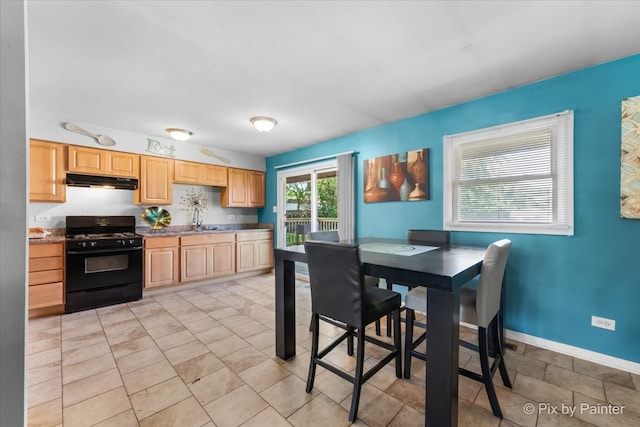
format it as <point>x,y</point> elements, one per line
<point>103,261</point>
<point>37,233</point>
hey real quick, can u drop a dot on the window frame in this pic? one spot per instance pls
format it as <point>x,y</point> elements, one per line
<point>561,127</point>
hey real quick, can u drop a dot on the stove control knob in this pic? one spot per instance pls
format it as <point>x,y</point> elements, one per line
<point>131,242</point>
<point>82,244</point>
<point>93,244</point>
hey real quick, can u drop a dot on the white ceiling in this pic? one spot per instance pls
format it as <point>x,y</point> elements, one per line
<point>321,68</point>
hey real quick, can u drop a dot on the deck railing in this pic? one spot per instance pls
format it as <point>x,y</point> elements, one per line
<point>324,224</point>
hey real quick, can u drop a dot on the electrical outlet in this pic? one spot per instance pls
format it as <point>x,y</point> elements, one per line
<point>275,209</point>
<point>601,322</point>
<point>42,218</point>
<point>231,216</point>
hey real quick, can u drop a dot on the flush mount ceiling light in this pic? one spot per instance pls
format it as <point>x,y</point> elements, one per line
<point>263,124</point>
<point>179,134</point>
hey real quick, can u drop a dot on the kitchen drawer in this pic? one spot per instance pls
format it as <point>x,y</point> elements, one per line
<point>205,239</point>
<point>161,242</point>
<point>49,276</point>
<point>45,250</point>
<point>47,263</point>
<point>257,235</point>
<point>46,295</point>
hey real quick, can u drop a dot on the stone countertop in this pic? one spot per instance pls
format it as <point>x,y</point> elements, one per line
<point>56,235</point>
<point>53,235</point>
<point>47,239</point>
<point>153,233</point>
<point>185,230</point>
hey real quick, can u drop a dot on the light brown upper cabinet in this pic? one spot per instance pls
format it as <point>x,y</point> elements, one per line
<point>200,174</point>
<point>46,172</point>
<point>245,188</point>
<point>215,175</point>
<point>155,186</point>
<point>123,164</point>
<point>95,161</point>
<point>187,172</point>
<point>256,189</point>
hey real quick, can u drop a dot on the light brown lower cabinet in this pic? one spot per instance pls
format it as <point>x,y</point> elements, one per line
<point>254,251</point>
<point>173,260</point>
<point>46,275</point>
<point>206,256</point>
<point>161,260</point>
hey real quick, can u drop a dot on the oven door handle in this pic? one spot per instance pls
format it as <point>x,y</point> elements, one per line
<point>104,251</point>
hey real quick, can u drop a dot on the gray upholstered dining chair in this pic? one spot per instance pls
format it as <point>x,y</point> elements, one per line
<point>336,269</point>
<point>422,238</point>
<point>334,236</point>
<point>479,306</point>
<point>326,236</point>
<point>428,237</point>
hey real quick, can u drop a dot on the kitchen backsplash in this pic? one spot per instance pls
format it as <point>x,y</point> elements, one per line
<point>99,201</point>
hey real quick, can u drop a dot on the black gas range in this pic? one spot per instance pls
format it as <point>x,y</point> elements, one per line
<point>103,261</point>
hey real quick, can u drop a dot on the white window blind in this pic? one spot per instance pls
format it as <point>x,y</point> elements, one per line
<point>515,178</point>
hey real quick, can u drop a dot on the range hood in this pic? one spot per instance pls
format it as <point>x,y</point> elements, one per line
<point>75,180</point>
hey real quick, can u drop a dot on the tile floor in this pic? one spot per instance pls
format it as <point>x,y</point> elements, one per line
<point>205,356</point>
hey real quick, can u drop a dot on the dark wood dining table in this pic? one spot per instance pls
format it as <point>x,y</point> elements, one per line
<point>442,271</point>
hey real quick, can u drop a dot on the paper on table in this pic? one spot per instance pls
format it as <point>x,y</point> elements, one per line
<point>396,249</point>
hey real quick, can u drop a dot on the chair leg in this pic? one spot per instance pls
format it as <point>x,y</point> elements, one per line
<point>483,349</point>
<point>408,341</point>
<point>500,319</point>
<point>378,327</point>
<point>501,365</point>
<point>397,342</point>
<point>389,287</point>
<point>315,320</point>
<point>357,383</point>
<point>350,341</point>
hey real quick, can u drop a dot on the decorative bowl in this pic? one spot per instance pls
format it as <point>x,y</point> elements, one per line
<point>157,217</point>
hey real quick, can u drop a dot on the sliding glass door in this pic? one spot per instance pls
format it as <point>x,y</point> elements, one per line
<point>307,201</point>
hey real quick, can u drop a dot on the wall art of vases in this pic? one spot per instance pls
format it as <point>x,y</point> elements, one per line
<point>417,193</point>
<point>418,169</point>
<point>402,176</point>
<point>384,182</point>
<point>372,191</point>
<point>397,176</point>
<point>405,190</point>
<point>419,172</point>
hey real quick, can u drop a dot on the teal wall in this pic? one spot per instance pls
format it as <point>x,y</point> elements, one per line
<point>554,283</point>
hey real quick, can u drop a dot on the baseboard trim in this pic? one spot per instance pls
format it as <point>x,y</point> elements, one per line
<point>569,350</point>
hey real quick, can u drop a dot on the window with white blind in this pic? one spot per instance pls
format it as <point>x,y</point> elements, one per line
<point>514,178</point>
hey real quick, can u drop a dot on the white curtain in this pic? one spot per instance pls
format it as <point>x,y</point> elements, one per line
<point>346,199</point>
